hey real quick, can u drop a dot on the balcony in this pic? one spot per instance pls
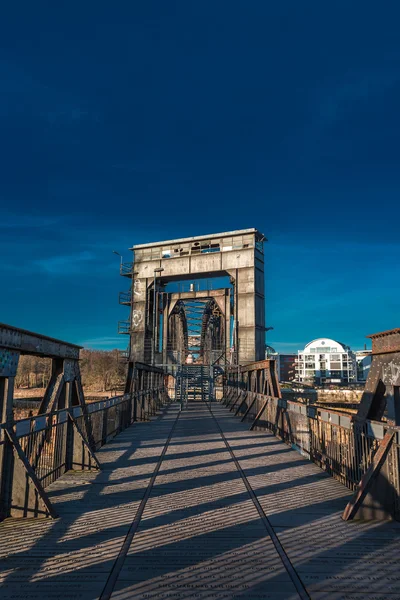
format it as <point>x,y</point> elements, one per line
<point>125,298</point>
<point>124,327</point>
<point>126,269</point>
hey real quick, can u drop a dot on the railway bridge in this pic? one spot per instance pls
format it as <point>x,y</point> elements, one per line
<point>201,480</point>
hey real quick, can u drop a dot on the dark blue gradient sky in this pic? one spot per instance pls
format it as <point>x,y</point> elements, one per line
<point>129,122</point>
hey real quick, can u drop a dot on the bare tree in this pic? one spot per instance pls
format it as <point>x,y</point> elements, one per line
<point>101,370</point>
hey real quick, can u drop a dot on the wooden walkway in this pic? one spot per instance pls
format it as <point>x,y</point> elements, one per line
<point>181,511</point>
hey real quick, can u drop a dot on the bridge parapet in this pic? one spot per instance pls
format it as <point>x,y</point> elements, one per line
<point>66,432</point>
<point>363,454</point>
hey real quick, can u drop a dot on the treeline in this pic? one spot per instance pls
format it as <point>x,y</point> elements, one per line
<point>101,370</point>
<point>33,372</point>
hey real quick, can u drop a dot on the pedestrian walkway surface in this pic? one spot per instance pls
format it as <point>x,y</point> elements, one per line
<point>205,516</point>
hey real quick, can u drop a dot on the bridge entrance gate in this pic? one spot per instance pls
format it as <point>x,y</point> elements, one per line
<point>194,383</point>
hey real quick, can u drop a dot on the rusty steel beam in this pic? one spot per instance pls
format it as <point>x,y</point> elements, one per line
<point>229,396</point>
<point>233,400</point>
<point>385,342</point>
<point>241,403</point>
<point>242,395</point>
<point>260,412</point>
<point>24,499</point>
<point>369,477</point>
<point>27,342</point>
<point>250,406</point>
<point>255,366</point>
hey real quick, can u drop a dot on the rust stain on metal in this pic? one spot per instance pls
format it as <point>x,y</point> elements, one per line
<point>369,477</point>
<point>385,341</point>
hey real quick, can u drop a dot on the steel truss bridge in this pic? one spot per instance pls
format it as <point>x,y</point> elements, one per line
<point>166,491</point>
<point>201,480</point>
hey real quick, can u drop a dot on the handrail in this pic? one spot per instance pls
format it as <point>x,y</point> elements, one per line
<point>126,268</point>
<point>125,297</point>
<point>47,443</point>
<point>336,441</point>
<point>124,326</point>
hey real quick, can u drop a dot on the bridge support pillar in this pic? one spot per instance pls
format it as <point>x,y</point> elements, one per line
<point>249,305</point>
<point>141,320</point>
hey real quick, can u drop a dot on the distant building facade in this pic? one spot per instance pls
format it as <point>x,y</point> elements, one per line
<point>286,364</point>
<point>326,361</point>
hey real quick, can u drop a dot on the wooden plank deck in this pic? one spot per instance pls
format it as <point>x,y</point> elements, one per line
<point>200,534</point>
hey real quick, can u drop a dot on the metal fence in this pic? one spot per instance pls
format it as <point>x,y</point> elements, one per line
<point>334,441</point>
<point>51,444</point>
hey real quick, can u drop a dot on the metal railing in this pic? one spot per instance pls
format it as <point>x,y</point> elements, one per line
<point>124,327</point>
<point>126,269</point>
<point>125,298</point>
<point>56,442</point>
<point>334,441</point>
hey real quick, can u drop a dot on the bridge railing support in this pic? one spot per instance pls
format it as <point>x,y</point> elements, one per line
<point>363,455</point>
<point>66,432</point>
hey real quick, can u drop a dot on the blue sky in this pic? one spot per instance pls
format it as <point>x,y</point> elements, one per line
<point>131,122</point>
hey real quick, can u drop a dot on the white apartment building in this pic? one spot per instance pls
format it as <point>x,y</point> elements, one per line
<point>326,361</point>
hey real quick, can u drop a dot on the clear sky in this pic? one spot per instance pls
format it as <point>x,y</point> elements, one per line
<point>126,122</point>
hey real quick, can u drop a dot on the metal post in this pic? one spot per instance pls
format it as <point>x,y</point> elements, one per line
<point>6,449</point>
<point>120,260</point>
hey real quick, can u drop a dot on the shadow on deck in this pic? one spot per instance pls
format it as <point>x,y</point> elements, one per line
<point>200,534</point>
